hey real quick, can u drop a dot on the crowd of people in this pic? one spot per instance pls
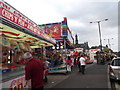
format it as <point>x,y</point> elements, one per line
<point>76,60</point>
<point>36,70</point>
<point>102,57</point>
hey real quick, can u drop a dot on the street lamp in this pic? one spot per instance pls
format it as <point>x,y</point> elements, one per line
<point>109,42</point>
<point>100,31</point>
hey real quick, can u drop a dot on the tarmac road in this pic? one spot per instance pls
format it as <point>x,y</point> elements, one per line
<point>95,77</point>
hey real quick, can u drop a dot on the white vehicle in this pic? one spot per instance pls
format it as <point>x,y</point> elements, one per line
<point>114,69</point>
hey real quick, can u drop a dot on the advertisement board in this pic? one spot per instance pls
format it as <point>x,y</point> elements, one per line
<point>53,30</point>
<point>18,82</point>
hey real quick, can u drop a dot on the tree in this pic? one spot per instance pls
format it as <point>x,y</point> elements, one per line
<point>94,47</point>
<point>107,50</point>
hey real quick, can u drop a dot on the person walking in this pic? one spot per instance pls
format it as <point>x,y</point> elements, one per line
<point>72,61</point>
<point>78,63</point>
<point>69,64</point>
<point>34,72</point>
<point>46,71</point>
<point>82,63</point>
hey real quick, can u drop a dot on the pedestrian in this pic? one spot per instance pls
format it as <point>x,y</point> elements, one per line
<point>75,53</point>
<point>69,64</point>
<point>75,60</point>
<point>46,71</point>
<point>34,71</point>
<point>82,63</point>
<point>72,62</point>
<point>78,63</point>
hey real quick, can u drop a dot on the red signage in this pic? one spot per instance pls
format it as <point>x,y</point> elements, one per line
<point>11,14</point>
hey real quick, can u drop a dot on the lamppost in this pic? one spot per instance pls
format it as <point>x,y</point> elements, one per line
<point>98,22</point>
<point>109,42</point>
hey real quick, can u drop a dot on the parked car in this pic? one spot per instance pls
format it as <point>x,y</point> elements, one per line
<point>114,69</point>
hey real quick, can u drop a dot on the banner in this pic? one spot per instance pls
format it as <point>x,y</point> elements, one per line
<point>53,30</point>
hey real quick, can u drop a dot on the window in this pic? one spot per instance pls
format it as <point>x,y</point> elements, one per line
<point>117,62</point>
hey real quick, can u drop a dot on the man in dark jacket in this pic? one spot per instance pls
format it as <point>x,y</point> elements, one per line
<point>34,72</point>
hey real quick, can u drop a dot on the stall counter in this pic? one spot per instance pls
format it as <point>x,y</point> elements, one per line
<point>15,78</point>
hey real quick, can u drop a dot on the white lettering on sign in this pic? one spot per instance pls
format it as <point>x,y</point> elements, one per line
<point>21,22</point>
<point>7,14</point>
<point>15,19</point>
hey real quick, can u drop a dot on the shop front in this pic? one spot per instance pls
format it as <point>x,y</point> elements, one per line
<point>18,34</point>
<point>61,33</point>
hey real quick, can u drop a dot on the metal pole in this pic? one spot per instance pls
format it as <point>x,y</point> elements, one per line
<point>65,46</point>
<point>100,36</point>
<point>65,52</point>
<point>100,31</point>
<point>64,43</point>
<point>109,43</point>
<point>73,43</point>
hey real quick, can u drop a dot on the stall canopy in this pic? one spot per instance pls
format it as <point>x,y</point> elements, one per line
<point>16,35</point>
<point>18,27</point>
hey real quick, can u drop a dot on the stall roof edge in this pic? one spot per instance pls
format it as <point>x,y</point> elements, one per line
<point>12,25</point>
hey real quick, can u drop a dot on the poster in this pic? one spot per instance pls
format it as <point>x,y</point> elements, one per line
<point>18,82</point>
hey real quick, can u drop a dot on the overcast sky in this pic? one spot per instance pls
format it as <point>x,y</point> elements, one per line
<point>78,14</point>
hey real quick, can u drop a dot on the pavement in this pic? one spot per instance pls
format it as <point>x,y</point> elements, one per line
<point>95,77</point>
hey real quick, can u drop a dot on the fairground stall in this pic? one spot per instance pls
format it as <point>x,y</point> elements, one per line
<point>18,34</point>
<point>61,33</point>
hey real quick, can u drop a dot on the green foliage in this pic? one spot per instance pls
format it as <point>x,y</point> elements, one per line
<point>94,47</point>
<point>107,50</point>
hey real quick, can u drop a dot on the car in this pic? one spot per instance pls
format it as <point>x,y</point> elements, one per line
<point>114,69</point>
